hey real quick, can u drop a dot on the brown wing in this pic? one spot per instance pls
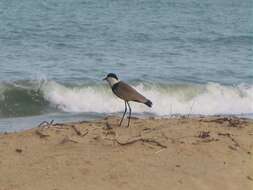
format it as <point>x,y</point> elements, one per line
<point>128,93</point>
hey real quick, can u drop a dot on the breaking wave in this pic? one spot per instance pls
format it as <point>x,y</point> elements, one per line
<point>38,97</point>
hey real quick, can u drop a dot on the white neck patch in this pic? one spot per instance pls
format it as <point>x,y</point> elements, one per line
<point>112,81</point>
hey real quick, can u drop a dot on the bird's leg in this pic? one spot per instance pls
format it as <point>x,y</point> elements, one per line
<point>129,117</point>
<point>123,114</point>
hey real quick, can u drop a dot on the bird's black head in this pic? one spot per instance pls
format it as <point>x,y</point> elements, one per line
<point>112,75</point>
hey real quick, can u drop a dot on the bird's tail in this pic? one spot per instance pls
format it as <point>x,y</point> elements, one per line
<point>148,103</point>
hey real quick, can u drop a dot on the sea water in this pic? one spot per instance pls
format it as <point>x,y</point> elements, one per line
<point>186,56</point>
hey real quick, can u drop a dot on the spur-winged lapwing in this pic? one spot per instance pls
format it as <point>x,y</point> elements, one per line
<point>126,93</point>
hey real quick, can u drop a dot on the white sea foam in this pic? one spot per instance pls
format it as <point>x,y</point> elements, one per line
<point>208,99</point>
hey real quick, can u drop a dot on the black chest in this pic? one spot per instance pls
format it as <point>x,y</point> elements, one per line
<point>115,88</point>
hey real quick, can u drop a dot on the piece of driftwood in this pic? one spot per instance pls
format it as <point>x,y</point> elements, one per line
<point>46,123</point>
<point>153,141</point>
<point>78,132</point>
<point>67,139</point>
<point>232,121</point>
<point>61,124</point>
<point>84,134</point>
<point>224,134</point>
<point>235,142</point>
<point>136,139</point>
<point>162,149</point>
<point>128,142</point>
<point>232,147</point>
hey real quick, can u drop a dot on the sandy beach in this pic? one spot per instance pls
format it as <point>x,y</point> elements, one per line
<point>155,153</point>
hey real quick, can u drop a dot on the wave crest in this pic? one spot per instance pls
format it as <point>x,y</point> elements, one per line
<point>208,99</point>
<point>35,98</point>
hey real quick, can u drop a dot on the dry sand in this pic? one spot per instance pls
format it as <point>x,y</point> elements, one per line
<point>176,153</point>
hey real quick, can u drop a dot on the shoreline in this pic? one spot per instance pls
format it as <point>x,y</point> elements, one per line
<point>30,122</point>
<point>153,153</point>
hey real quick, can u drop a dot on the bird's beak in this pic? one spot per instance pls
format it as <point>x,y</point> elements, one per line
<point>105,78</point>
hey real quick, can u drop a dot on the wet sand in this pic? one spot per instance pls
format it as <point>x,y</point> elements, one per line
<point>175,153</point>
